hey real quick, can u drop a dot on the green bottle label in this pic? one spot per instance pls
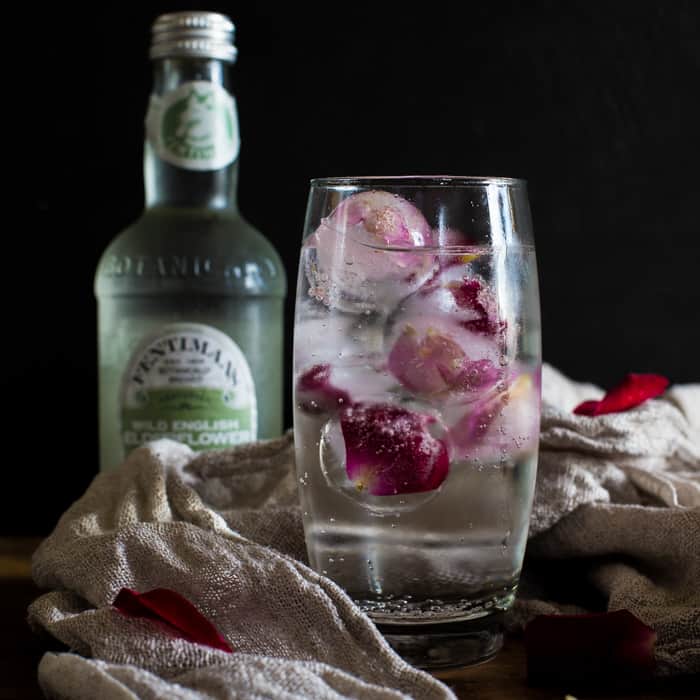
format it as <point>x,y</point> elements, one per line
<point>195,126</point>
<point>191,383</point>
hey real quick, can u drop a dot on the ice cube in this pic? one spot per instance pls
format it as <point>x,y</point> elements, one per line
<point>500,424</point>
<point>445,341</point>
<point>383,457</point>
<point>366,254</point>
<point>337,338</point>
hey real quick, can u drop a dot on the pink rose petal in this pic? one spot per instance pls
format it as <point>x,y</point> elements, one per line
<point>389,450</point>
<point>433,363</point>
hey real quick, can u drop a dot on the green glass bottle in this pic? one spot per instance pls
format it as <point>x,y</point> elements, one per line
<point>190,297</point>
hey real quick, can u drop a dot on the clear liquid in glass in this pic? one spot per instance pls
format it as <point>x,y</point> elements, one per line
<point>449,554</point>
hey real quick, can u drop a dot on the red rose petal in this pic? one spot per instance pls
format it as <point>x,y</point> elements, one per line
<point>175,611</point>
<point>316,394</point>
<point>589,645</point>
<point>389,451</point>
<point>634,390</point>
<point>587,408</point>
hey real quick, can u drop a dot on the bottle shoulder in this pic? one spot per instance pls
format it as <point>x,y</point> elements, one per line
<point>184,251</point>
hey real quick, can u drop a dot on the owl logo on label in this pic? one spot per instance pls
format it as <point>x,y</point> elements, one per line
<point>197,126</point>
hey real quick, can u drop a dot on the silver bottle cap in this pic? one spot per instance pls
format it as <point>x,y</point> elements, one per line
<point>193,35</point>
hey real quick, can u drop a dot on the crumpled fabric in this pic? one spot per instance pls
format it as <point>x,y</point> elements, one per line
<point>616,517</point>
<point>236,557</point>
<point>615,524</point>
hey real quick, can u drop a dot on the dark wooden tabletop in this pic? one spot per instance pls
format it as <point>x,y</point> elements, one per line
<point>503,678</point>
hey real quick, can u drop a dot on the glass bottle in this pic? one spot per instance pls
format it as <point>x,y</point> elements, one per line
<point>190,297</point>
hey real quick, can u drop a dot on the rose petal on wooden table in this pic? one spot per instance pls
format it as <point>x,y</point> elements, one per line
<point>589,646</point>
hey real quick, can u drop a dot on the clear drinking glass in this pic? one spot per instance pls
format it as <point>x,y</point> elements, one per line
<point>417,402</point>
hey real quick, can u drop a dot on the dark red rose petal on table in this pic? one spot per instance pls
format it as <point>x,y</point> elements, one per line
<point>634,390</point>
<point>173,610</point>
<point>316,394</point>
<point>589,646</point>
<point>389,450</point>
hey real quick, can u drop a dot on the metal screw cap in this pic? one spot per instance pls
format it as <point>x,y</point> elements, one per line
<point>193,34</point>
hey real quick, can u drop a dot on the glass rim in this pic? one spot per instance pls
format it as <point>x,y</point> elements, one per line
<point>418,180</point>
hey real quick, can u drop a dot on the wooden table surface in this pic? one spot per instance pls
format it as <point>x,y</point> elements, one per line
<point>503,678</point>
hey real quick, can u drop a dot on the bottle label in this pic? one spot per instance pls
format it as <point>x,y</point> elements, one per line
<point>191,383</point>
<point>195,126</point>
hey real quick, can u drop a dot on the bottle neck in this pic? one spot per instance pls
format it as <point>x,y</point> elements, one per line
<point>192,141</point>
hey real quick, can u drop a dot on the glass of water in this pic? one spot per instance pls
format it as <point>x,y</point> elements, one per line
<point>417,402</point>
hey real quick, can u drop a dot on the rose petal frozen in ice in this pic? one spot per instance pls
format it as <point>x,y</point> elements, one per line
<point>390,451</point>
<point>386,219</point>
<point>634,390</point>
<point>477,375</point>
<point>472,294</point>
<point>433,363</point>
<point>500,423</point>
<point>436,341</point>
<point>316,394</point>
<point>352,266</point>
<point>480,416</point>
<point>464,297</point>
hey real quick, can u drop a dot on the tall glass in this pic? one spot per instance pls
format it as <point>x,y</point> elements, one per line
<point>417,402</point>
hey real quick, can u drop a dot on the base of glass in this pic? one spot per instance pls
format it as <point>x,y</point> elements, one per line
<point>449,645</point>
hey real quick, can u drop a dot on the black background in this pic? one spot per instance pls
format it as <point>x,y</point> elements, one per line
<point>595,104</point>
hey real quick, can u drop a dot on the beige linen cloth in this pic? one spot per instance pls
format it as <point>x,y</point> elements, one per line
<point>618,502</point>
